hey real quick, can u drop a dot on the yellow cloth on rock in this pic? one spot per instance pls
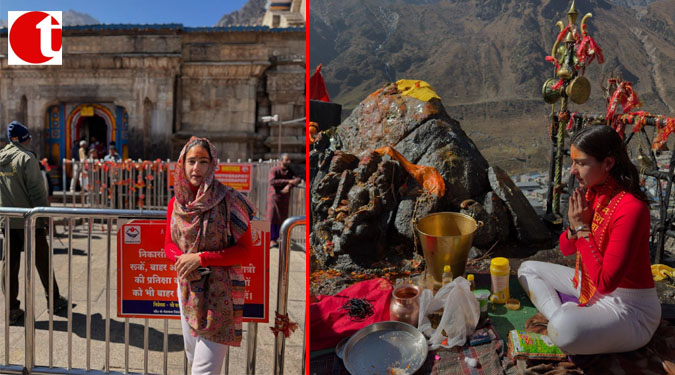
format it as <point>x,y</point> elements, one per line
<point>661,272</point>
<point>417,89</point>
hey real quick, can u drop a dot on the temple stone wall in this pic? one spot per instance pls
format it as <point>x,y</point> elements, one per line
<point>173,82</point>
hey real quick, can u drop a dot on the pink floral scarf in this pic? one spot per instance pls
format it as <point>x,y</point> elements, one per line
<point>212,219</point>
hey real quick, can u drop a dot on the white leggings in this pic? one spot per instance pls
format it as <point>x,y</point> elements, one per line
<point>621,321</point>
<point>205,357</point>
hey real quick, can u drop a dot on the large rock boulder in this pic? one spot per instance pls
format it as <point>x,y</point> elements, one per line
<point>529,228</point>
<point>363,205</point>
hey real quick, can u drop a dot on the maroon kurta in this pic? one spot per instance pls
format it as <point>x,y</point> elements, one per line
<point>277,202</point>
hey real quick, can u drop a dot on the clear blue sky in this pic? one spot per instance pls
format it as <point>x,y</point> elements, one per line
<point>187,12</point>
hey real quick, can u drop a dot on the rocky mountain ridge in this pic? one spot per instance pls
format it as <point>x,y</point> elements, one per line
<point>70,18</point>
<point>250,14</point>
<point>485,58</point>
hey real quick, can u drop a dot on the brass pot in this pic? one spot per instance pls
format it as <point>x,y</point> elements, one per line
<point>446,238</point>
<point>405,304</point>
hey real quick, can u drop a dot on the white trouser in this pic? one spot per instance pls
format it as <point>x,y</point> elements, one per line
<point>205,357</point>
<point>76,177</point>
<point>620,321</point>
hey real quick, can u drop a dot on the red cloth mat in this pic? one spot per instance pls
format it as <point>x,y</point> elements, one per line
<point>328,323</point>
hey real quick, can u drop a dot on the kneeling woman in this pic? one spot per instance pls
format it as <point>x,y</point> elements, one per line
<point>618,307</point>
<point>208,235</point>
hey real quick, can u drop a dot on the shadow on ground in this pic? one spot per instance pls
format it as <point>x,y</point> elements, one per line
<point>64,251</point>
<point>155,342</point>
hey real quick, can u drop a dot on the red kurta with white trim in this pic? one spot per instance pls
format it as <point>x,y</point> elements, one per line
<point>624,260</point>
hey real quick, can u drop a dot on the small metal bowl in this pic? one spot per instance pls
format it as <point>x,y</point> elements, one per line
<point>384,348</point>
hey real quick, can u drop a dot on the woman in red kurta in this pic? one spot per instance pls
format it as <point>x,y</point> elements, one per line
<point>618,308</point>
<point>207,236</point>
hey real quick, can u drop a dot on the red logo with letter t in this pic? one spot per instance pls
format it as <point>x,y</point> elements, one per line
<point>35,38</point>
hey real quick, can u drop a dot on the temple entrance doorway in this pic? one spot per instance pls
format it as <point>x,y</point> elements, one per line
<point>93,129</point>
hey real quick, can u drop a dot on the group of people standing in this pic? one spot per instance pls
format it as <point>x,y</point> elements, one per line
<point>91,151</point>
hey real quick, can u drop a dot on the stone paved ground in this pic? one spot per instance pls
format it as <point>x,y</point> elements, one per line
<point>175,362</point>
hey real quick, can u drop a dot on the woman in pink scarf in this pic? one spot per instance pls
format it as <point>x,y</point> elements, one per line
<point>207,235</point>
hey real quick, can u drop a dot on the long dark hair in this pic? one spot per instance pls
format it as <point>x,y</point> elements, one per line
<point>601,141</point>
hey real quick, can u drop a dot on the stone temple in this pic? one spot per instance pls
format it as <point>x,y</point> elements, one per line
<point>148,88</point>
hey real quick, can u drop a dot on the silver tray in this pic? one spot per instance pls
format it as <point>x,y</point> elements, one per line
<point>384,348</point>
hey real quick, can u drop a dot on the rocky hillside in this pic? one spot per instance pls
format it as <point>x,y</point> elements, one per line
<point>73,18</point>
<point>485,58</point>
<point>250,14</point>
<point>632,3</point>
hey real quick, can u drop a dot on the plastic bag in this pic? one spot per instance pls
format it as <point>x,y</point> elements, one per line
<point>461,312</point>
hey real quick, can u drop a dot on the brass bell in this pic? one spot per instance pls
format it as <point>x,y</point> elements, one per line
<point>579,90</point>
<point>551,96</point>
<point>564,72</point>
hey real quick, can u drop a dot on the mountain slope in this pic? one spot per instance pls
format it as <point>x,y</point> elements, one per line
<point>70,18</point>
<point>74,18</point>
<point>250,14</point>
<point>485,58</point>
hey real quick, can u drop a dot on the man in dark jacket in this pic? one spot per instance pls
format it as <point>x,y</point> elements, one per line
<point>282,179</point>
<point>22,185</point>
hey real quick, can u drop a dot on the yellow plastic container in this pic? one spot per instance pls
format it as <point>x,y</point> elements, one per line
<point>499,270</point>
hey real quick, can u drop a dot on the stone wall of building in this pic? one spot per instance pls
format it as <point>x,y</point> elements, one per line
<point>167,83</point>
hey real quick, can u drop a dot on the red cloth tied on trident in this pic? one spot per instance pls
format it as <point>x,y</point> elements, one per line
<point>663,132</point>
<point>628,98</point>
<point>328,323</point>
<point>587,49</point>
<point>559,39</point>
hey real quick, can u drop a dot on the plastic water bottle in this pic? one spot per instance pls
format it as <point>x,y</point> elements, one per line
<point>447,274</point>
<point>470,279</point>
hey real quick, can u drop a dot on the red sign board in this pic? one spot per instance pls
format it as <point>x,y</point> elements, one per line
<point>236,176</point>
<point>147,282</point>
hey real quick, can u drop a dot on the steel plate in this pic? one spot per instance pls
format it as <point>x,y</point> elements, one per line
<point>381,348</point>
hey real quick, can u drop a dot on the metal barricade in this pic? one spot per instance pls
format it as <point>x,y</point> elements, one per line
<point>282,285</point>
<point>128,184</point>
<point>297,208</point>
<point>111,218</point>
<point>7,214</point>
<point>143,184</point>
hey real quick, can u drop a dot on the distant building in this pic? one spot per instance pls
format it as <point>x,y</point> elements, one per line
<point>528,186</point>
<point>285,13</point>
